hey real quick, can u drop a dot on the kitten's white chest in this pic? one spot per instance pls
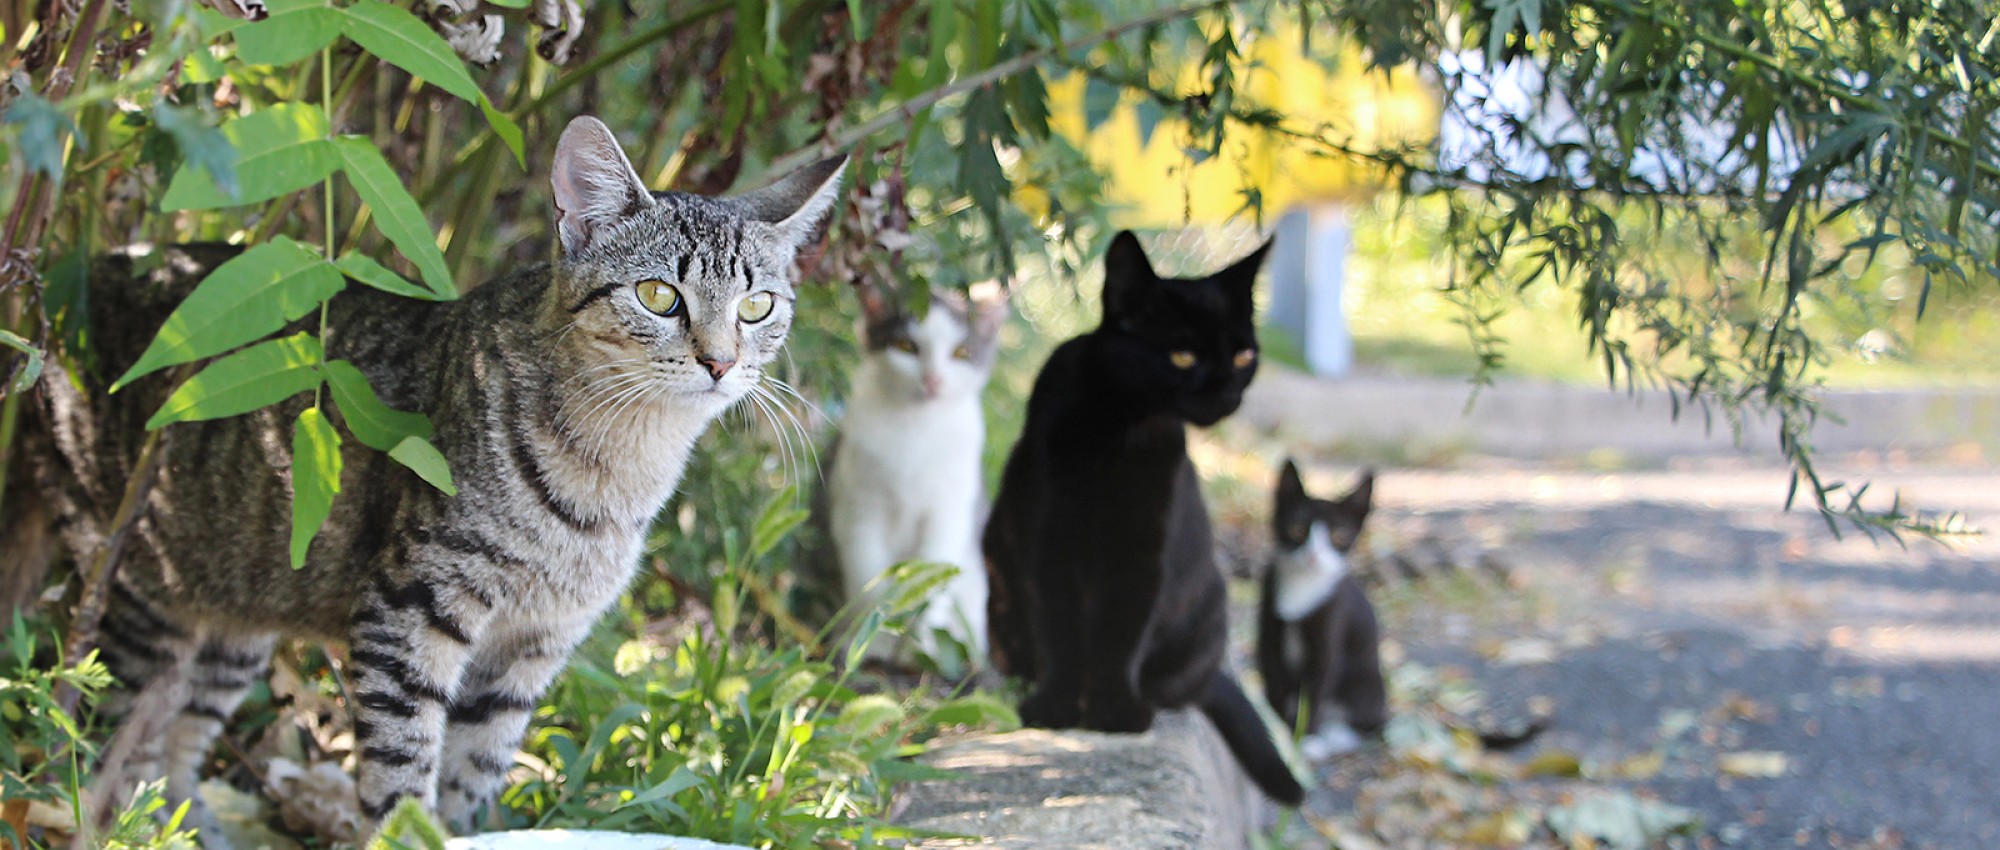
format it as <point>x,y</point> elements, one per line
<point>1306,576</point>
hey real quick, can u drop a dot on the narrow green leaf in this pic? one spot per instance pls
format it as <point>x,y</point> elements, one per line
<point>244,299</point>
<point>396,213</point>
<point>315,479</point>
<point>263,374</point>
<point>510,4</point>
<point>401,39</point>
<point>292,30</point>
<point>365,270</point>
<point>375,424</point>
<point>33,369</point>
<point>424,459</point>
<point>779,517</point>
<point>504,127</point>
<point>279,149</point>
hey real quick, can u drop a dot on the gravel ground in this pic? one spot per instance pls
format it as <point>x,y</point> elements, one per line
<point>1794,687</point>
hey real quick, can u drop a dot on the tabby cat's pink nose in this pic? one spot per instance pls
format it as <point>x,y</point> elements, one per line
<point>716,368</point>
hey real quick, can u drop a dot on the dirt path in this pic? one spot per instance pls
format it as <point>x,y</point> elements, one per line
<point>1694,643</point>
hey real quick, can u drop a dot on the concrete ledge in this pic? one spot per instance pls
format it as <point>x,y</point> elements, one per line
<point>1176,786</point>
<point>1532,419</point>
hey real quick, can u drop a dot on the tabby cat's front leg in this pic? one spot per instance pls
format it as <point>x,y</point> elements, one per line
<point>411,641</point>
<point>491,711</point>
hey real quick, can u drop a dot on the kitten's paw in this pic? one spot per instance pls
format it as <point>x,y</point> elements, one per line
<point>1119,716</point>
<point>1042,710</point>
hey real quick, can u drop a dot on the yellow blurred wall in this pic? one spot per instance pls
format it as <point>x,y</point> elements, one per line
<point>1157,185</point>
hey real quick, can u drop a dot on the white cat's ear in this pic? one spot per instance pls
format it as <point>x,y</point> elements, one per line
<point>1126,269</point>
<point>799,202</point>
<point>988,305</point>
<point>594,183</point>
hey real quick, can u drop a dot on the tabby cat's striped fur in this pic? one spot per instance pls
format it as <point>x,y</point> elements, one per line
<point>567,408</point>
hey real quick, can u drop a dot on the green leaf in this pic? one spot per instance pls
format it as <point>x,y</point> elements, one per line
<point>396,213</point>
<point>293,30</point>
<point>263,374</point>
<point>361,268</point>
<point>1099,100</point>
<point>504,127</point>
<point>424,459</point>
<point>279,149</point>
<point>375,424</point>
<point>510,4</point>
<point>242,300</point>
<point>315,479</point>
<point>780,515</point>
<point>33,369</point>
<point>43,128</point>
<point>401,39</point>
<point>200,145</point>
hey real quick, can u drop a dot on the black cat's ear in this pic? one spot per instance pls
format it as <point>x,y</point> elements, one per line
<point>594,183</point>
<point>1126,271</point>
<point>797,203</point>
<point>1361,498</point>
<point>1241,276</point>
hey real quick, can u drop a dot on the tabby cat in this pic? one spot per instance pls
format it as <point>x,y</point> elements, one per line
<point>906,480</point>
<point>1318,641</point>
<point>567,397</point>
<point>1105,593</point>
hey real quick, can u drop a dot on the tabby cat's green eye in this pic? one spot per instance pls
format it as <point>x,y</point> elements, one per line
<point>660,297</point>
<point>1182,359</point>
<point>755,308</point>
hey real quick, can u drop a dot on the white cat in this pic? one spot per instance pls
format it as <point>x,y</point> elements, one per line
<point>906,483</point>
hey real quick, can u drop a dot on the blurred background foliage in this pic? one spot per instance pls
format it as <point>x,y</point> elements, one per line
<point>1736,201</point>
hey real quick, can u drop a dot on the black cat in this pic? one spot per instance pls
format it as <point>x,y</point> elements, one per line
<point>1318,641</point>
<point>1104,594</point>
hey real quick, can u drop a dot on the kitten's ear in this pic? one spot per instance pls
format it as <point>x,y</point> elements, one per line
<point>799,201</point>
<point>1290,487</point>
<point>1241,276</point>
<point>1126,271</point>
<point>1357,501</point>
<point>594,183</point>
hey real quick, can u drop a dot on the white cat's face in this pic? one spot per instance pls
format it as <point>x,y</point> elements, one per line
<point>934,360</point>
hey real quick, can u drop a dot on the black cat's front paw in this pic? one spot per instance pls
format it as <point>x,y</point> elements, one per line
<point>1124,715</point>
<point>1044,710</point>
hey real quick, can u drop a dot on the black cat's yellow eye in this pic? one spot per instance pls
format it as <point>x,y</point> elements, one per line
<point>962,353</point>
<point>906,345</point>
<point>1181,359</point>
<point>755,308</point>
<point>1245,357</point>
<point>660,297</point>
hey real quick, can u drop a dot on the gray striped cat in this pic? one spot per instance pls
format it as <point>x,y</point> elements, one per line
<point>567,397</point>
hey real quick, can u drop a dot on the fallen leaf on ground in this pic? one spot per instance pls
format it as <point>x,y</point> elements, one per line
<point>1553,763</point>
<point>1754,764</point>
<point>320,800</point>
<point>1621,820</point>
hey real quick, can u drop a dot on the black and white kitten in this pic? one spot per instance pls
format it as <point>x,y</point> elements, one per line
<point>1318,642</point>
<point>1105,596</point>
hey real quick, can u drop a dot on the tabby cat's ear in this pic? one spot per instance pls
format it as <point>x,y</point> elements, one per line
<point>1126,271</point>
<point>594,183</point>
<point>799,201</point>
